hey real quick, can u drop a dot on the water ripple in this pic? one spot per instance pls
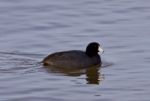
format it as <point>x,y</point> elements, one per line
<point>31,29</point>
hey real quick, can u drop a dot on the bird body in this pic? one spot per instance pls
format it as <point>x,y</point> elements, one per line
<point>75,59</point>
<point>71,59</point>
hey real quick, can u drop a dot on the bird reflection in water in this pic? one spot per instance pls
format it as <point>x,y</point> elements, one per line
<point>93,75</point>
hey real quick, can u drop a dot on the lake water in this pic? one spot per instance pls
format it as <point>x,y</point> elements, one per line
<point>32,29</point>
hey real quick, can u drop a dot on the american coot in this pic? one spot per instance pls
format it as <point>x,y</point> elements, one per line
<point>75,58</point>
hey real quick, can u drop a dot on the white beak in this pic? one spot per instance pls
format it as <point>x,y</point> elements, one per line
<point>100,50</point>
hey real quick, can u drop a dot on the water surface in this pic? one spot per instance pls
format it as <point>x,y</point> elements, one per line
<point>31,29</point>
